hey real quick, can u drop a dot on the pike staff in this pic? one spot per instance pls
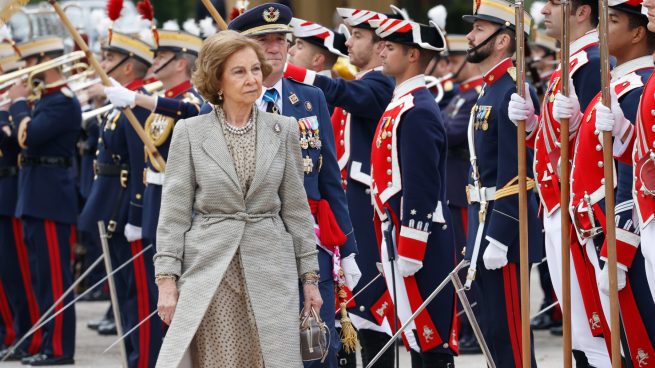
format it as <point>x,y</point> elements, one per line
<point>523,192</point>
<point>214,13</point>
<point>564,191</point>
<point>608,170</point>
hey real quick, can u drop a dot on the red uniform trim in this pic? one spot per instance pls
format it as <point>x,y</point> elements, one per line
<point>638,340</point>
<point>465,219</point>
<point>513,318</point>
<point>143,304</point>
<point>56,280</point>
<point>23,264</point>
<point>5,314</point>
<point>423,319</point>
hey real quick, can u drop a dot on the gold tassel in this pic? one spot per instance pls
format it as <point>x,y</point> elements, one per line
<point>348,333</point>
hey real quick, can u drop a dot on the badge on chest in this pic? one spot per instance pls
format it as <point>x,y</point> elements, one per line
<point>385,130</point>
<point>482,115</point>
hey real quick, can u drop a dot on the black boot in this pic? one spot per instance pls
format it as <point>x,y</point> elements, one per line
<point>371,343</point>
<point>432,360</point>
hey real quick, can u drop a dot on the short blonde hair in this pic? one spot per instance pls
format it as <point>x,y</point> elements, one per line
<point>211,62</point>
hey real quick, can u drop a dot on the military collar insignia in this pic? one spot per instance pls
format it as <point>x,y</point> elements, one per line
<point>497,71</point>
<point>135,85</point>
<point>271,14</point>
<point>470,84</point>
<point>308,106</point>
<point>179,89</point>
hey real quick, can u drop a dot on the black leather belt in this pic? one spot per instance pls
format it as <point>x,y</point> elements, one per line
<point>8,171</point>
<point>110,169</point>
<point>49,161</point>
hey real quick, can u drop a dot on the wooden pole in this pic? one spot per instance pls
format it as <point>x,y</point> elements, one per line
<point>156,158</point>
<point>564,191</point>
<point>523,192</point>
<point>608,169</point>
<point>214,13</point>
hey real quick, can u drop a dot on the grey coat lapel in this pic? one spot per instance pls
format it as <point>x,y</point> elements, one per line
<point>268,142</point>
<point>216,147</point>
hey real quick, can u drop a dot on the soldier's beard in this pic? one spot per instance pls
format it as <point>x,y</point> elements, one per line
<point>479,53</point>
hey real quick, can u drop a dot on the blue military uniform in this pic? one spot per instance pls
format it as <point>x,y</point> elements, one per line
<point>493,136</point>
<point>456,120</point>
<point>360,103</point>
<point>181,101</point>
<point>15,272</point>
<point>116,197</point>
<point>47,198</point>
<point>327,200</point>
<point>87,147</point>
<point>409,198</point>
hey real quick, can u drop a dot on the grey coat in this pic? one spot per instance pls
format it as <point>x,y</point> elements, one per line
<point>204,219</point>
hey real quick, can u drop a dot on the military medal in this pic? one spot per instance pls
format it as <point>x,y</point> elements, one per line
<point>307,164</point>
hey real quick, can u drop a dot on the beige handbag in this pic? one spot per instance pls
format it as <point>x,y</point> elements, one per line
<point>314,337</point>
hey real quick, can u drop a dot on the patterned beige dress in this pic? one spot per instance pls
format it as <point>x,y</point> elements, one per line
<point>227,335</point>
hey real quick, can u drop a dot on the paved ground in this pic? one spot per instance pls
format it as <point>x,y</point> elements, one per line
<point>90,346</point>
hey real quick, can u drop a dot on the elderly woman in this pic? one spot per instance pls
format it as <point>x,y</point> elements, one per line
<point>235,231</point>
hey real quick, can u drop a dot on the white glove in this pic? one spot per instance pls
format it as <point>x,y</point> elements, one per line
<point>612,119</point>
<point>604,279</point>
<point>132,233</point>
<point>120,96</point>
<point>568,107</point>
<point>408,267</point>
<point>522,109</point>
<point>494,257</point>
<point>351,271</point>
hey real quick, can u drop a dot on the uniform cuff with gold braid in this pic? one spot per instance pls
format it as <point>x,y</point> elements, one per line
<point>165,276</point>
<point>310,278</point>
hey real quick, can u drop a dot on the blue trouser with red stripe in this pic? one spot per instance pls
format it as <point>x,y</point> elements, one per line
<point>16,278</point>
<point>7,332</point>
<point>499,304</point>
<point>139,293</point>
<point>49,250</point>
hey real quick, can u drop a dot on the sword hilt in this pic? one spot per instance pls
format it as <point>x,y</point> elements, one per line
<point>470,277</point>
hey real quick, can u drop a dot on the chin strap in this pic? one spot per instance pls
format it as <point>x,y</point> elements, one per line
<point>166,63</point>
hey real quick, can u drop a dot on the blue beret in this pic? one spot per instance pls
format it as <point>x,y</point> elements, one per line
<point>263,19</point>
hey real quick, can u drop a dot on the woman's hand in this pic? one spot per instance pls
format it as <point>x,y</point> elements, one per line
<point>167,300</point>
<point>312,299</point>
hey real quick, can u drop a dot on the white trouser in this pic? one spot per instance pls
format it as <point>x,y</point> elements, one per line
<point>581,337</point>
<point>647,245</point>
<point>403,307</point>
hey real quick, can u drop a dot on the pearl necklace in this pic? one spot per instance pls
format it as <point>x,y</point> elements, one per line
<point>232,129</point>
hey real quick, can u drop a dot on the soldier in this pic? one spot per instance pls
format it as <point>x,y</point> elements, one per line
<point>360,104</point>
<point>456,118</point>
<point>493,184</point>
<point>15,273</point>
<point>116,197</point>
<point>586,314</point>
<point>632,45</point>
<point>411,129</point>
<point>47,197</point>
<point>175,57</point>
<point>268,24</point>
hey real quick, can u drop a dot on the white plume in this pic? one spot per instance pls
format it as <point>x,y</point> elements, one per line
<point>438,15</point>
<point>535,12</point>
<point>190,26</point>
<point>207,26</point>
<point>171,25</point>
